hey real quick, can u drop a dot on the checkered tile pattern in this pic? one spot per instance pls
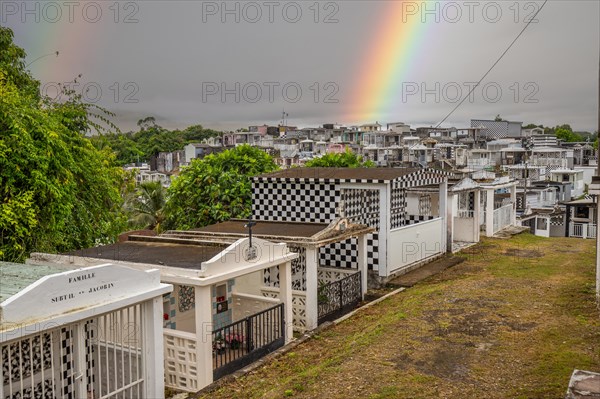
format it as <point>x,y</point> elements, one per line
<point>294,201</point>
<point>67,363</point>
<point>493,130</point>
<point>361,206</point>
<point>373,251</point>
<point>90,329</point>
<point>423,177</point>
<point>339,254</point>
<point>414,219</point>
<point>398,208</point>
<point>556,221</point>
<point>317,200</point>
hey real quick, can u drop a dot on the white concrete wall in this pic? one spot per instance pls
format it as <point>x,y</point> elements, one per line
<point>247,305</point>
<point>465,229</point>
<point>249,284</point>
<point>412,203</point>
<point>411,244</point>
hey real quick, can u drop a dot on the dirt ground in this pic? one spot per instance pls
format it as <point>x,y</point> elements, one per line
<point>512,321</point>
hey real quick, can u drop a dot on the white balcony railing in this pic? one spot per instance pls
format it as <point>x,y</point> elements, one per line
<point>466,214</point>
<point>561,162</point>
<point>582,230</point>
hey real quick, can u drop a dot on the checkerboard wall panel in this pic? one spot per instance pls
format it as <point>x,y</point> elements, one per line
<point>556,221</point>
<point>397,208</point>
<point>493,129</point>
<point>295,201</point>
<point>67,363</point>
<point>345,254</point>
<point>424,177</point>
<point>361,206</point>
<point>339,254</point>
<point>414,219</point>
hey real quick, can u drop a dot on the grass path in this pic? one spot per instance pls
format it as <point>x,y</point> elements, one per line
<point>512,321</point>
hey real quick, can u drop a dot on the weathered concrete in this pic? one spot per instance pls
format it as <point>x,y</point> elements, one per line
<point>584,385</point>
<point>411,278</point>
<point>510,231</point>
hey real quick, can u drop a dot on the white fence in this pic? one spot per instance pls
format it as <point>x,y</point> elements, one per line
<point>100,357</point>
<point>181,365</point>
<point>582,230</point>
<point>298,306</point>
<point>328,275</point>
<point>466,214</point>
<point>503,217</point>
<point>411,244</point>
<point>479,163</point>
<point>541,161</point>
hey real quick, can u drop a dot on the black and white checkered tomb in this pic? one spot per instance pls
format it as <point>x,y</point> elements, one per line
<point>317,200</point>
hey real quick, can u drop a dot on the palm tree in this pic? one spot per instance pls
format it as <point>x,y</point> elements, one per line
<point>147,205</point>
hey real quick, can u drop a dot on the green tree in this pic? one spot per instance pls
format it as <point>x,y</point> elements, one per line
<point>146,206</point>
<point>347,159</point>
<point>197,133</point>
<point>565,133</point>
<point>57,191</point>
<point>215,188</point>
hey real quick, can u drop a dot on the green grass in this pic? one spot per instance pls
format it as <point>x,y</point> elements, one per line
<point>494,326</point>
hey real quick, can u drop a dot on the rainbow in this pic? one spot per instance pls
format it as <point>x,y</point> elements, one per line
<point>395,43</point>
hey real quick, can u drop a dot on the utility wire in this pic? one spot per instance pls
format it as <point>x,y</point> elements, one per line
<point>495,63</point>
<point>42,56</point>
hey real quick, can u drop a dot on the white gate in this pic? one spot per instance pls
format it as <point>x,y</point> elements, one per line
<point>98,358</point>
<point>502,217</point>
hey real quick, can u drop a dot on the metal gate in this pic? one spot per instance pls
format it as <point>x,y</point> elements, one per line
<point>245,341</point>
<point>339,297</point>
<point>98,358</point>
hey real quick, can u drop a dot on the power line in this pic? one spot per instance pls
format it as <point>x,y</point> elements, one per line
<point>42,56</point>
<point>495,63</point>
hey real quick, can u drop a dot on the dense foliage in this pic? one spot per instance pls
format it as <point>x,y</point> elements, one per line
<point>565,133</point>
<point>149,140</point>
<point>57,191</point>
<point>347,159</point>
<point>146,206</point>
<point>216,188</point>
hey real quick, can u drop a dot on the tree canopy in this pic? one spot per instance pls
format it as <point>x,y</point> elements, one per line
<point>216,188</point>
<point>347,159</point>
<point>58,192</point>
<point>149,140</point>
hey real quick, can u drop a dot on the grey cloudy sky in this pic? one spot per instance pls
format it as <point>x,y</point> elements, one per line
<point>171,59</point>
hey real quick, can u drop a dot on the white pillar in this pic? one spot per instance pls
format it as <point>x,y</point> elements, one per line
<point>312,288</point>
<point>384,230</point>
<point>80,383</point>
<point>204,328</point>
<point>285,296</point>
<point>362,263</point>
<point>476,216</point>
<point>445,213</point>
<point>513,199</point>
<point>152,331</point>
<point>453,207</point>
<point>489,213</point>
